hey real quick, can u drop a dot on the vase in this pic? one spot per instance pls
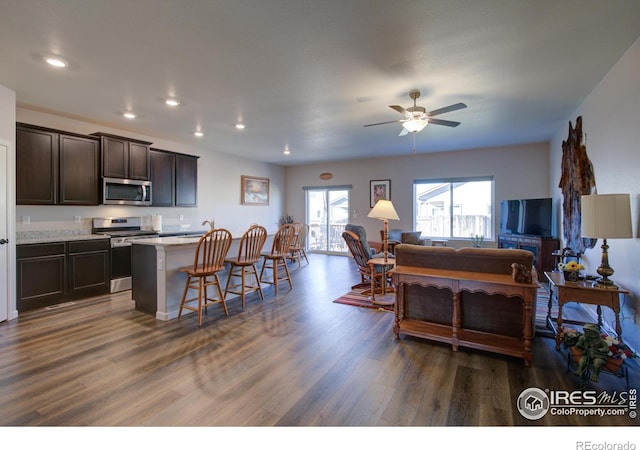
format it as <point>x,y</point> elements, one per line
<point>570,275</point>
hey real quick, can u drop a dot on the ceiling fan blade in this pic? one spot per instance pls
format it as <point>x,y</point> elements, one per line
<point>447,109</point>
<point>404,132</point>
<point>446,123</point>
<point>398,108</point>
<point>381,123</point>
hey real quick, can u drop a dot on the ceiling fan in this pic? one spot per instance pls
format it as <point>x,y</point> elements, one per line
<point>416,117</point>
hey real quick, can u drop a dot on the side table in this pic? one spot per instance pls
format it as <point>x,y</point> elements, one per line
<point>373,262</point>
<point>581,292</point>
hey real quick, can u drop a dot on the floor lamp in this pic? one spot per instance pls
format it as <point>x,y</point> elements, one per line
<point>384,210</point>
<point>606,216</point>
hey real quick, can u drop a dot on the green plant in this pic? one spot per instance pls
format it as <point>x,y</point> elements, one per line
<point>477,239</point>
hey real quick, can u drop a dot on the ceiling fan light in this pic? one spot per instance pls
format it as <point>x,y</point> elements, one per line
<point>415,125</point>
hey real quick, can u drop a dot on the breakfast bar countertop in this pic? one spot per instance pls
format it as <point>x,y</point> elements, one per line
<point>169,241</point>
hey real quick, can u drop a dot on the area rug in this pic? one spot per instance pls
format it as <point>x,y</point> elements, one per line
<point>356,298</point>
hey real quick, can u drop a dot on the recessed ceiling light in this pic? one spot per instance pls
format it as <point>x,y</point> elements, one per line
<point>286,150</point>
<point>198,134</point>
<point>56,62</point>
<point>240,126</point>
<point>129,115</point>
<point>172,102</point>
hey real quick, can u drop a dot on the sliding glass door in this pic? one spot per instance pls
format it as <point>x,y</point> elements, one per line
<point>327,213</point>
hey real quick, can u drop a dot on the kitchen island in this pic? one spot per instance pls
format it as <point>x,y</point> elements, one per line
<point>156,281</point>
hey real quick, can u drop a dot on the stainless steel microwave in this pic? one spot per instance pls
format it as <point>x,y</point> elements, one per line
<point>117,191</point>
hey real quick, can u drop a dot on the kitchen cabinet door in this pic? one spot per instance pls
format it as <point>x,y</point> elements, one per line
<point>163,166</point>
<point>88,266</point>
<point>40,272</point>
<point>186,180</point>
<point>138,161</point>
<point>36,166</point>
<point>79,171</point>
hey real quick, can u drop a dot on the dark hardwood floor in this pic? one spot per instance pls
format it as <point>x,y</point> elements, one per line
<point>296,359</point>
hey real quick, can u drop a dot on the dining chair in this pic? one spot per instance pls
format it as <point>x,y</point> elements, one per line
<point>243,265</point>
<point>277,257</point>
<point>297,250</point>
<point>208,261</point>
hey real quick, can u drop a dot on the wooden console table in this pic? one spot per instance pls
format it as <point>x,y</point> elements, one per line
<point>456,334</point>
<point>580,292</point>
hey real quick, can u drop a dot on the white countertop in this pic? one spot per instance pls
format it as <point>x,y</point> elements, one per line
<point>168,241</point>
<point>59,238</point>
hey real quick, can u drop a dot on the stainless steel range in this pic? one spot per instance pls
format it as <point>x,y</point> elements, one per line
<point>122,231</point>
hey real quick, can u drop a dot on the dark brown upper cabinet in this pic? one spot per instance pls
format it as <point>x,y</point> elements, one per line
<point>163,185</point>
<point>174,178</point>
<point>186,180</point>
<point>124,157</point>
<point>55,167</point>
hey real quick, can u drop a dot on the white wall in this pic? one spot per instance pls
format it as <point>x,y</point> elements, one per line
<point>610,119</point>
<point>518,171</point>
<point>218,187</point>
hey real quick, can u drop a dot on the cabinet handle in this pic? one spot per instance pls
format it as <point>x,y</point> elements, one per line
<point>4,241</point>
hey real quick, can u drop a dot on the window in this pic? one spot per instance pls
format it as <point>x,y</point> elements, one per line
<point>457,208</point>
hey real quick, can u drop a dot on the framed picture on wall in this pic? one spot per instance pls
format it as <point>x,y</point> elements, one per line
<point>380,190</point>
<point>254,190</point>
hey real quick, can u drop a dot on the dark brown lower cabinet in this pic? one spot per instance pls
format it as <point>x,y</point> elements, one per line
<point>88,265</point>
<point>40,275</point>
<point>52,273</point>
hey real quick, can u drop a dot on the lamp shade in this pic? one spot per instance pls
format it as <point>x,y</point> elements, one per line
<point>384,209</point>
<point>415,125</point>
<point>606,216</point>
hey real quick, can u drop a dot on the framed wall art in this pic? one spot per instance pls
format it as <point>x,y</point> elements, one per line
<point>380,190</point>
<point>254,190</point>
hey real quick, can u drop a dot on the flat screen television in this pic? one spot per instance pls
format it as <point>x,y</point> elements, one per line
<point>526,216</point>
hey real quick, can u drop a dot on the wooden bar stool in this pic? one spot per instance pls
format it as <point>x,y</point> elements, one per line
<point>208,261</point>
<point>277,258</point>
<point>243,266</point>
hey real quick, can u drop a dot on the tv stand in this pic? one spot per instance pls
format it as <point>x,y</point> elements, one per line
<point>541,247</point>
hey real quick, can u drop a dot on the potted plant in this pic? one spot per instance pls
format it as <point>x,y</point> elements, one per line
<point>571,270</point>
<point>615,352</point>
<point>283,220</point>
<point>476,240</point>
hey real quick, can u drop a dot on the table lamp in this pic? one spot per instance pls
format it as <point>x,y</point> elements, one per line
<point>384,210</point>
<point>606,216</point>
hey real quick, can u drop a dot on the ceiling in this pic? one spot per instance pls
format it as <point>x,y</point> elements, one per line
<point>308,74</point>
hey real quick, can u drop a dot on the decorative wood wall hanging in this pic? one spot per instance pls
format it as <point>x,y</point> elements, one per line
<point>577,179</point>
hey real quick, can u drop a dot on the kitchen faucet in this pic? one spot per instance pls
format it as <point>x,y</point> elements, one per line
<point>210,222</point>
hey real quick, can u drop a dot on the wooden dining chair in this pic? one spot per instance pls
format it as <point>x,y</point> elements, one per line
<point>243,265</point>
<point>277,258</point>
<point>297,250</point>
<point>208,261</point>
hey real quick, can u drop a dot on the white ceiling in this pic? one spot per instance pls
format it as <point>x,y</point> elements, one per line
<point>308,74</point>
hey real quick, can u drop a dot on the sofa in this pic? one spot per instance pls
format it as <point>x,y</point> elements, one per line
<point>397,236</point>
<point>465,297</point>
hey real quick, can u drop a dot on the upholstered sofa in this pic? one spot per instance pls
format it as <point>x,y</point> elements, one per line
<point>465,297</point>
<point>397,236</point>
